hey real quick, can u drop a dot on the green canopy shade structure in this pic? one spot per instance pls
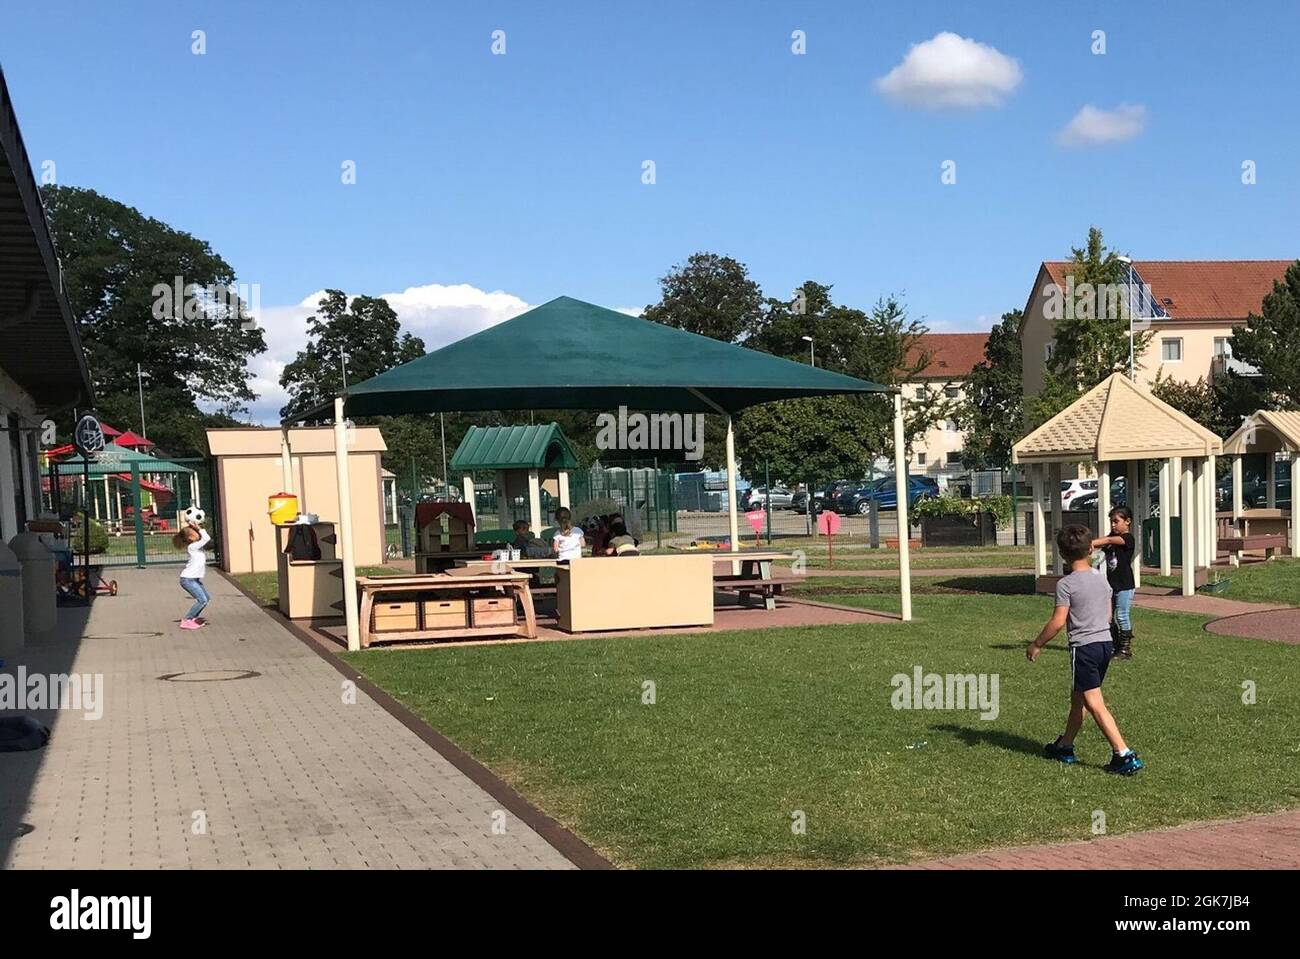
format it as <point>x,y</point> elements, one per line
<point>513,448</point>
<point>571,355</point>
<point>114,459</point>
<point>567,354</point>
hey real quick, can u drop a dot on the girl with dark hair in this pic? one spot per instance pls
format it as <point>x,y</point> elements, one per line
<point>1119,547</point>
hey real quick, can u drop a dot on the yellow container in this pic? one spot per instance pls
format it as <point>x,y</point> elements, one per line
<point>283,508</point>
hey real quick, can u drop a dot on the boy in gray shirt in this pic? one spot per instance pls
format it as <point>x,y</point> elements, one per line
<point>1083,606</point>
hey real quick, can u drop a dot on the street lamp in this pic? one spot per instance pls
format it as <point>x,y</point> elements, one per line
<point>1128,296</point>
<point>812,356</point>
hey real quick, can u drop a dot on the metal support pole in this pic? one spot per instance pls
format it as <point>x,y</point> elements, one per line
<point>346,544</point>
<point>900,487</point>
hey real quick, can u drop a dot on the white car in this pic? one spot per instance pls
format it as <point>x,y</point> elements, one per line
<point>1072,488</point>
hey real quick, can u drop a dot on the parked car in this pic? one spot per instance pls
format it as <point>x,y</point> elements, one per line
<point>885,492</point>
<point>757,497</point>
<point>1254,492</point>
<point>1071,489</point>
<point>826,498</point>
<point>799,501</point>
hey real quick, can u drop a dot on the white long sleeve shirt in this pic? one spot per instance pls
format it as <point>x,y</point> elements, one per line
<point>196,565</point>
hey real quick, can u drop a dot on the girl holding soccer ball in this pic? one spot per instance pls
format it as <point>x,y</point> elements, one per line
<point>193,538</point>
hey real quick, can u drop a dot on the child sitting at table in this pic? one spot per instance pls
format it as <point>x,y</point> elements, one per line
<point>620,542</point>
<point>568,540</point>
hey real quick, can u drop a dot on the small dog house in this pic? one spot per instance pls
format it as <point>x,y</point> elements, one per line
<point>526,460</point>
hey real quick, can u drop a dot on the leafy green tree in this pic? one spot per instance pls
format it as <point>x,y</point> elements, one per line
<point>711,295</point>
<point>1270,342</point>
<point>1203,401</point>
<point>114,261</point>
<point>992,412</point>
<point>1091,327</point>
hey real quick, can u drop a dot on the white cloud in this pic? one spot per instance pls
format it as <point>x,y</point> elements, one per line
<point>951,71</point>
<point>436,313</point>
<point>1094,127</point>
<point>631,310</point>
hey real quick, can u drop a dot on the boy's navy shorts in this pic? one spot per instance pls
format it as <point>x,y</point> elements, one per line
<point>1088,664</point>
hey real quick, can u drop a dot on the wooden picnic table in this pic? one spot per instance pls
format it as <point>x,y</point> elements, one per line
<point>462,586</point>
<point>755,576</point>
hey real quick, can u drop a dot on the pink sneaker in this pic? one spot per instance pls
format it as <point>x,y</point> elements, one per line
<point>190,624</point>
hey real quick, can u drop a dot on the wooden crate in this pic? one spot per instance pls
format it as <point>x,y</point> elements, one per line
<point>494,610</point>
<point>395,616</point>
<point>445,613</point>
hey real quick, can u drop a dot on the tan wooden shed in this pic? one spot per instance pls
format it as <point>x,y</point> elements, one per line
<point>250,468</point>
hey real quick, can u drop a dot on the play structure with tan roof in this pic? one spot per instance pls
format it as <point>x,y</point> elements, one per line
<point>1120,421</point>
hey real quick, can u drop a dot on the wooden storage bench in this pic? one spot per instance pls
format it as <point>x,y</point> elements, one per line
<point>435,607</point>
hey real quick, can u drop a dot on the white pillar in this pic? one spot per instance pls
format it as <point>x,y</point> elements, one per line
<point>1236,488</point>
<point>346,546</point>
<point>1295,503</point>
<point>1168,493</point>
<point>286,463</point>
<point>1270,481</point>
<point>733,522</point>
<point>467,486</point>
<point>1176,510</point>
<point>1040,520</point>
<point>1196,515</point>
<point>564,488</point>
<point>1103,498</point>
<point>535,502</point>
<point>503,500</point>
<point>1054,491</point>
<point>1211,510</point>
<point>904,530</point>
<point>1189,537</point>
<point>1134,484</point>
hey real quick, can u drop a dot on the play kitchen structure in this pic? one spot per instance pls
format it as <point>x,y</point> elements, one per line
<point>308,571</point>
<point>430,609</point>
<point>444,534</point>
<point>530,467</point>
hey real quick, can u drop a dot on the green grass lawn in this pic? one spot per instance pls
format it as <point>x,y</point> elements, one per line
<point>750,727</point>
<point>1275,582</point>
<point>266,586</point>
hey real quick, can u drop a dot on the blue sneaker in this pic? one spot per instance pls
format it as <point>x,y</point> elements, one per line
<point>1064,754</point>
<point>1125,765</point>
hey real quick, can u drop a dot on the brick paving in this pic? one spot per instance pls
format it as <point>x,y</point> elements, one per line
<point>1259,842</point>
<point>286,774</point>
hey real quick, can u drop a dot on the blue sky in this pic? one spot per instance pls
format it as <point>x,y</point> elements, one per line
<point>522,173</point>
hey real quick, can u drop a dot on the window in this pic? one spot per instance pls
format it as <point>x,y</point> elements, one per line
<point>1048,349</point>
<point>1171,350</point>
<point>1222,346</point>
<point>952,392</point>
<point>950,426</point>
<point>920,459</point>
<point>954,457</point>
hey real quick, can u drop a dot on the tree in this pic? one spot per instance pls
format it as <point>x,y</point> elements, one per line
<point>992,411</point>
<point>711,295</point>
<point>1270,342</point>
<point>1202,401</point>
<point>115,263</point>
<point>1091,326</point>
<point>363,335</point>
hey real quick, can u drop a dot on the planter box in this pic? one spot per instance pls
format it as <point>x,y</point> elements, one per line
<point>977,529</point>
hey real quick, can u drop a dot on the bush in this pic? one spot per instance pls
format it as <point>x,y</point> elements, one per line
<point>949,505</point>
<point>98,538</point>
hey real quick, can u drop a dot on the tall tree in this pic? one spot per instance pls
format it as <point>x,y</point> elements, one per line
<point>364,336</point>
<point>992,412</point>
<point>711,295</point>
<point>1270,342</point>
<point>1202,400</point>
<point>1091,326</point>
<point>190,349</point>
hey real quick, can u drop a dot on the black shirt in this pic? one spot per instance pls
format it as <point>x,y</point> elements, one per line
<point>1119,564</point>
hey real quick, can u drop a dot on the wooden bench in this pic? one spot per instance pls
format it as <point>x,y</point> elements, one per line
<point>419,623</point>
<point>1268,542</point>
<point>754,578</point>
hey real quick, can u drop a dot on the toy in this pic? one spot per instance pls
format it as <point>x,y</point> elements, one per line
<point>192,514</point>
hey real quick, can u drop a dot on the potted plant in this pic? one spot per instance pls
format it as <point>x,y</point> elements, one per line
<point>953,521</point>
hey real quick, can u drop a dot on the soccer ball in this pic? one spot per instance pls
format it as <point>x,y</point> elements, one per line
<point>192,514</point>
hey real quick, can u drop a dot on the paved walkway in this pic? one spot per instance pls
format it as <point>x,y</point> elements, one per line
<point>1260,842</point>
<point>283,772</point>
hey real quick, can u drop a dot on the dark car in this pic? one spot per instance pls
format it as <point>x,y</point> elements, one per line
<point>885,492</point>
<point>827,497</point>
<point>1254,493</point>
